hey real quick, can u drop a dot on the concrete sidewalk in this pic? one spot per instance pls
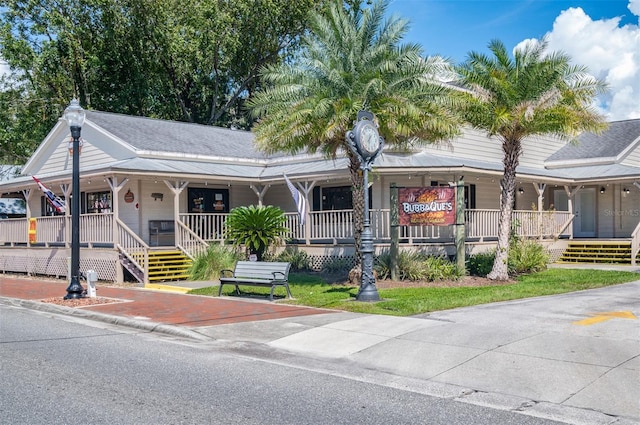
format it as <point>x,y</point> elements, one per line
<point>574,358</point>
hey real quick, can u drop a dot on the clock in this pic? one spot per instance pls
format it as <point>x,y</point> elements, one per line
<point>368,137</point>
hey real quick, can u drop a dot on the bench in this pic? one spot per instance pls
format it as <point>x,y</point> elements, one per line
<point>163,231</point>
<point>257,273</point>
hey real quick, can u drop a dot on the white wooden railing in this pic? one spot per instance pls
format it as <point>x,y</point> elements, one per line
<point>189,242</point>
<point>133,247</point>
<point>196,231</point>
<point>635,244</point>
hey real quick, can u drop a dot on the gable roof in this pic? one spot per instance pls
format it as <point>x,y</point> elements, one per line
<point>153,135</point>
<point>620,137</point>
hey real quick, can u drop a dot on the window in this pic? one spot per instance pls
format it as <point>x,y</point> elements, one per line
<point>469,194</point>
<point>47,210</point>
<point>208,200</point>
<point>97,202</point>
<point>335,198</point>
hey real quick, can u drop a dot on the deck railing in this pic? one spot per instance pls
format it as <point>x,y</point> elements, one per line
<point>635,244</point>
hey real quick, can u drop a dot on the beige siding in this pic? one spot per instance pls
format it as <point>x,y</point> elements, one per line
<point>605,221</point>
<point>240,195</point>
<point>535,150</point>
<point>131,213</point>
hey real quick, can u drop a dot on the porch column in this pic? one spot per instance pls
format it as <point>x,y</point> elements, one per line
<point>27,195</point>
<point>176,188</point>
<point>571,193</point>
<point>306,190</point>
<point>539,187</point>
<point>260,191</point>
<point>115,208</point>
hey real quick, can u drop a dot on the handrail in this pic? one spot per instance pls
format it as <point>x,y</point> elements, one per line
<point>635,244</point>
<point>189,242</point>
<point>134,248</point>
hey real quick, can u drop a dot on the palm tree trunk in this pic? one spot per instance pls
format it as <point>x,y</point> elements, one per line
<point>512,150</point>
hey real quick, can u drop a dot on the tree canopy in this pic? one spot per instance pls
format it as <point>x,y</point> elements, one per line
<point>535,92</point>
<point>188,60</point>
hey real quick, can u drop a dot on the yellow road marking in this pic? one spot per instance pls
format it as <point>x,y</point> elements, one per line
<point>603,317</point>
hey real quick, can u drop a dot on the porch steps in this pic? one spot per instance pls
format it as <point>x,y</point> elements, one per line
<point>603,252</point>
<point>164,266</point>
<point>167,266</point>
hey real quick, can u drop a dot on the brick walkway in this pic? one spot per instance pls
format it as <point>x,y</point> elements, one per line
<point>160,307</point>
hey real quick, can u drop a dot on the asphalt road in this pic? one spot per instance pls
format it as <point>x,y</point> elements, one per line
<point>61,370</point>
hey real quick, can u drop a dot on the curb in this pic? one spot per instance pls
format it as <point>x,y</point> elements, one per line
<point>106,318</point>
<point>169,288</point>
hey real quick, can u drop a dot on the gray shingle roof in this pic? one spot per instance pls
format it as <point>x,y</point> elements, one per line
<point>150,134</point>
<point>607,145</point>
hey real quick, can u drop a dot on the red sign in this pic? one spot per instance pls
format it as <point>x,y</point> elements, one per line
<point>426,206</point>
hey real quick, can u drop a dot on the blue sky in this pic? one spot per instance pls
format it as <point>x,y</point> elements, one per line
<point>602,35</point>
<point>453,28</point>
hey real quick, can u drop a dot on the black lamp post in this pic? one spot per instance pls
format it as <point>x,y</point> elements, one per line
<point>366,144</point>
<point>74,115</point>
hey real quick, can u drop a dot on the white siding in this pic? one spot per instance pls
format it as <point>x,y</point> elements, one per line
<point>605,221</point>
<point>633,159</point>
<point>154,209</point>
<point>131,213</point>
<point>535,150</point>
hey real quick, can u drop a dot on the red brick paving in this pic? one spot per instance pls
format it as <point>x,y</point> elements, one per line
<point>160,307</point>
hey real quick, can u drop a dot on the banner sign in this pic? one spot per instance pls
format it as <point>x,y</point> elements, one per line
<point>426,206</point>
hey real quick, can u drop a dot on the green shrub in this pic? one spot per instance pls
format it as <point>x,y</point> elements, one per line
<point>256,228</point>
<point>482,263</point>
<point>299,259</point>
<point>527,256</point>
<point>208,266</point>
<point>414,265</point>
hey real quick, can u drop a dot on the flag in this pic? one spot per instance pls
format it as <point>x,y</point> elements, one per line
<point>55,201</point>
<point>301,202</point>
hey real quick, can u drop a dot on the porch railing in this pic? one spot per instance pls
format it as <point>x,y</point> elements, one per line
<point>635,244</point>
<point>95,229</point>
<point>337,226</point>
<point>189,242</point>
<point>133,248</point>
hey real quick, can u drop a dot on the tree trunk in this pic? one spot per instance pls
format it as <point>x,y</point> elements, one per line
<point>512,150</point>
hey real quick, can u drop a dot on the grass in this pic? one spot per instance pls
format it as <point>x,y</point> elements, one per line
<point>310,290</point>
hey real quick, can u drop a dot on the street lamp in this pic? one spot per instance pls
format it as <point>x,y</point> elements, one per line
<point>365,142</point>
<point>74,115</point>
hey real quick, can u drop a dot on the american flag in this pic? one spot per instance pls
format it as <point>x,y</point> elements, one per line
<point>55,201</point>
<point>301,202</point>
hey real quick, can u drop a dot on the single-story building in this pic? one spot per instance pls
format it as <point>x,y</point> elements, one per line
<point>150,186</point>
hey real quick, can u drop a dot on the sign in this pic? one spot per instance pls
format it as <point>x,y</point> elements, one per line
<point>129,197</point>
<point>426,206</point>
<point>32,230</point>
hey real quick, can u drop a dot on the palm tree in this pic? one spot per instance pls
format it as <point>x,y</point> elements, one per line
<point>352,60</point>
<point>256,228</point>
<point>533,93</point>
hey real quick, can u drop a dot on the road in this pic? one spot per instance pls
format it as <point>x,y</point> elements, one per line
<point>62,370</point>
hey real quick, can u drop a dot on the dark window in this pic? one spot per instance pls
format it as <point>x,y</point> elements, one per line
<point>47,209</point>
<point>97,202</point>
<point>470,197</point>
<point>335,198</point>
<point>208,200</point>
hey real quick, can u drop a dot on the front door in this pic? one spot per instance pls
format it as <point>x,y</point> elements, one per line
<point>584,224</point>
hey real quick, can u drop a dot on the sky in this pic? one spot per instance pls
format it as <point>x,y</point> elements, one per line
<point>602,35</point>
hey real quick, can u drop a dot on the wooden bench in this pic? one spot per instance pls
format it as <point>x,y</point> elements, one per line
<point>257,273</point>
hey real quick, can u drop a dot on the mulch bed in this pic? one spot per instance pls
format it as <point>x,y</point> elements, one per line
<point>79,302</point>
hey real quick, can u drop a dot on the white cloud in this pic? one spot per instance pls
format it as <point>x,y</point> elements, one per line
<point>610,51</point>
<point>4,68</point>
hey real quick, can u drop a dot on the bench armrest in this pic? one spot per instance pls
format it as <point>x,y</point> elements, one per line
<point>226,273</point>
<point>279,276</point>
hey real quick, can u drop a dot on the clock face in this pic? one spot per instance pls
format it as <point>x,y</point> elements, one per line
<point>369,137</point>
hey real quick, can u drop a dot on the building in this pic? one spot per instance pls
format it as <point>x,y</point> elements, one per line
<point>147,185</point>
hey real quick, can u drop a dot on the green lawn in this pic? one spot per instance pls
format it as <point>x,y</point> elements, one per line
<point>311,291</point>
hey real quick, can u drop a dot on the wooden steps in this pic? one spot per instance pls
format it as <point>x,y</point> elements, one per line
<point>164,266</point>
<point>167,266</point>
<point>603,252</point>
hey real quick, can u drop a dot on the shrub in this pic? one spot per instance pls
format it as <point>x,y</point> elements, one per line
<point>208,266</point>
<point>256,227</point>
<point>482,263</point>
<point>299,260</point>
<point>527,256</point>
<point>414,265</point>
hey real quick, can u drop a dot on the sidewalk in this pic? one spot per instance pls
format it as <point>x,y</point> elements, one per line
<point>537,356</point>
